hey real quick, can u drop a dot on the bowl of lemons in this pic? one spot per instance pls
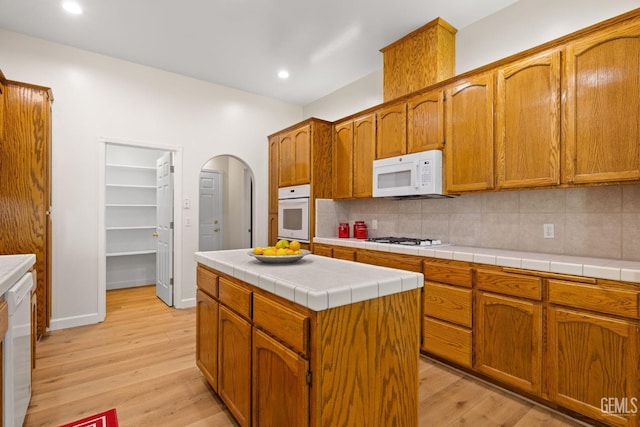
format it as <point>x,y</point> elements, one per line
<point>284,252</point>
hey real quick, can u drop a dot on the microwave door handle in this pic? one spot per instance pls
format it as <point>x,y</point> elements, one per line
<point>417,183</point>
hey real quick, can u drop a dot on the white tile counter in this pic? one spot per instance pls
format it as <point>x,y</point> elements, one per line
<point>315,282</point>
<point>600,268</point>
<point>12,268</point>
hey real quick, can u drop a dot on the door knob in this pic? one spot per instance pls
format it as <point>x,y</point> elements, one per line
<point>216,229</point>
<point>155,234</point>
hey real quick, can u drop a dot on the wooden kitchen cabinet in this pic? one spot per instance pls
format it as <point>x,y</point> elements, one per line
<point>447,307</point>
<point>234,370</point>
<point>425,122</point>
<point>280,387</point>
<point>353,155</point>
<point>2,89</point>
<point>273,229</point>
<point>508,329</point>
<point>274,145</point>
<point>295,157</point>
<point>469,134</point>
<point>207,337</point>
<point>527,122</point>
<point>602,85</point>
<point>391,131</point>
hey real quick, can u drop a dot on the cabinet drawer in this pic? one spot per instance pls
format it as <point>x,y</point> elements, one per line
<point>510,284</point>
<point>235,297</point>
<point>447,341</point>
<point>447,303</point>
<point>605,300</point>
<point>444,273</point>
<point>289,326</point>
<point>322,250</point>
<point>207,281</point>
<point>344,253</point>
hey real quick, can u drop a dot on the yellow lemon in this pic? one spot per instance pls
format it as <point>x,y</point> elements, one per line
<point>290,251</point>
<point>294,245</point>
<point>258,250</point>
<point>269,252</point>
<point>281,251</point>
<point>282,244</point>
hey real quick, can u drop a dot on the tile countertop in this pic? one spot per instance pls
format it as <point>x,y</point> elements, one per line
<point>12,268</point>
<point>600,268</point>
<point>315,282</point>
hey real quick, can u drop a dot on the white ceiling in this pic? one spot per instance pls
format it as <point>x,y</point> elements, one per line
<point>325,45</point>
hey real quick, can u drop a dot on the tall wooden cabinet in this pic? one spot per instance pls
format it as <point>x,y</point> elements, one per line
<point>527,122</point>
<point>602,106</point>
<point>25,182</point>
<point>469,134</point>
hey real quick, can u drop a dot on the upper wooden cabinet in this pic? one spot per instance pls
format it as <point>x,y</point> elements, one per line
<point>2,89</point>
<point>419,59</point>
<point>602,106</point>
<point>353,154</point>
<point>425,122</point>
<point>527,122</point>
<point>274,144</point>
<point>391,132</point>
<point>295,157</point>
<point>469,134</point>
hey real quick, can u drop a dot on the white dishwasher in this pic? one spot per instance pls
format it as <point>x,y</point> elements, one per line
<point>16,353</point>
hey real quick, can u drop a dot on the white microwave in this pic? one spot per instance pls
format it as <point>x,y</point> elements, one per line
<point>409,175</point>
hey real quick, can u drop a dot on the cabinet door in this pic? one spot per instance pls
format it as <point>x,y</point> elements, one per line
<point>391,131</point>
<point>343,161</point>
<point>364,152</point>
<point>425,122</point>
<point>469,134</point>
<point>274,142</point>
<point>593,365</point>
<point>302,155</point>
<point>207,337</point>
<point>602,106</point>
<point>234,365</point>
<point>280,389</point>
<point>2,88</point>
<point>508,340</point>
<point>286,156</point>
<point>527,122</point>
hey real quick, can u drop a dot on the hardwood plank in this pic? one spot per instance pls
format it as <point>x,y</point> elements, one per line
<point>141,361</point>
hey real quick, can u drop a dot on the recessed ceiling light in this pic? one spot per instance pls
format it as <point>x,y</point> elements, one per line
<point>283,74</point>
<point>72,7</point>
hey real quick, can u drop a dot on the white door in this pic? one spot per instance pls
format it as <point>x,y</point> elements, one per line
<point>164,229</point>
<point>211,209</point>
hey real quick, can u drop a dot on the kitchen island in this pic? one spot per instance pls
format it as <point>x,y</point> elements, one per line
<point>320,342</point>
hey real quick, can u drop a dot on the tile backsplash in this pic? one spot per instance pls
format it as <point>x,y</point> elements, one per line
<point>601,222</point>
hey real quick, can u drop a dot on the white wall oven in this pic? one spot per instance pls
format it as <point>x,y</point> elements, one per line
<point>293,213</point>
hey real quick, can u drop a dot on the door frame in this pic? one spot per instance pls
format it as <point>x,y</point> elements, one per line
<point>177,218</point>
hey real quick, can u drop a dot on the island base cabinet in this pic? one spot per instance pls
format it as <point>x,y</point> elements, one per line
<point>593,365</point>
<point>234,370</point>
<point>280,388</point>
<point>207,337</point>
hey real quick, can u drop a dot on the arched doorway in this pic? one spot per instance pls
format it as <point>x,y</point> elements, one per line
<point>225,217</point>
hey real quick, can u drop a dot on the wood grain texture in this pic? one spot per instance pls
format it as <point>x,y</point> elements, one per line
<point>4,318</point>
<point>446,273</point>
<point>207,280</point>
<point>366,369</point>
<point>274,145</point>
<point>448,303</point>
<point>364,152</point>
<point>508,340</point>
<point>590,358</point>
<point>288,325</point>
<point>25,157</point>
<point>620,302</point>
<point>207,312</point>
<point>236,296</point>
<point>448,341</point>
<point>343,161</point>
<point>347,254</point>
<point>602,107</point>
<point>527,121</point>
<point>425,122</point>
<point>391,130</point>
<point>469,154</point>
<point>388,259</point>
<point>510,284</point>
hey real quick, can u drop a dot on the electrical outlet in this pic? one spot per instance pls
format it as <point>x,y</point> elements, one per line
<point>374,224</point>
<point>548,231</point>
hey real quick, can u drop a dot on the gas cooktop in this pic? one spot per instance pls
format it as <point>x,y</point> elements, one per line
<point>409,241</point>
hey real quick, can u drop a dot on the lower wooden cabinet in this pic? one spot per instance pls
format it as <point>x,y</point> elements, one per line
<point>234,358</point>
<point>207,337</point>
<point>447,341</point>
<point>593,365</point>
<point>279,376</point>
<point>508,340</point>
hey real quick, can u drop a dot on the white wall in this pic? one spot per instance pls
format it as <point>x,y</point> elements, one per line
<point>523,25</point>
<point>100,96</point>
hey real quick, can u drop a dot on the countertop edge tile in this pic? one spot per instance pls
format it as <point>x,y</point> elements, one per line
<point>601,272</point>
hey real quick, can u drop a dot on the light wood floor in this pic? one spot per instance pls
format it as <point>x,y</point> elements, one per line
<point>141,361</point>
